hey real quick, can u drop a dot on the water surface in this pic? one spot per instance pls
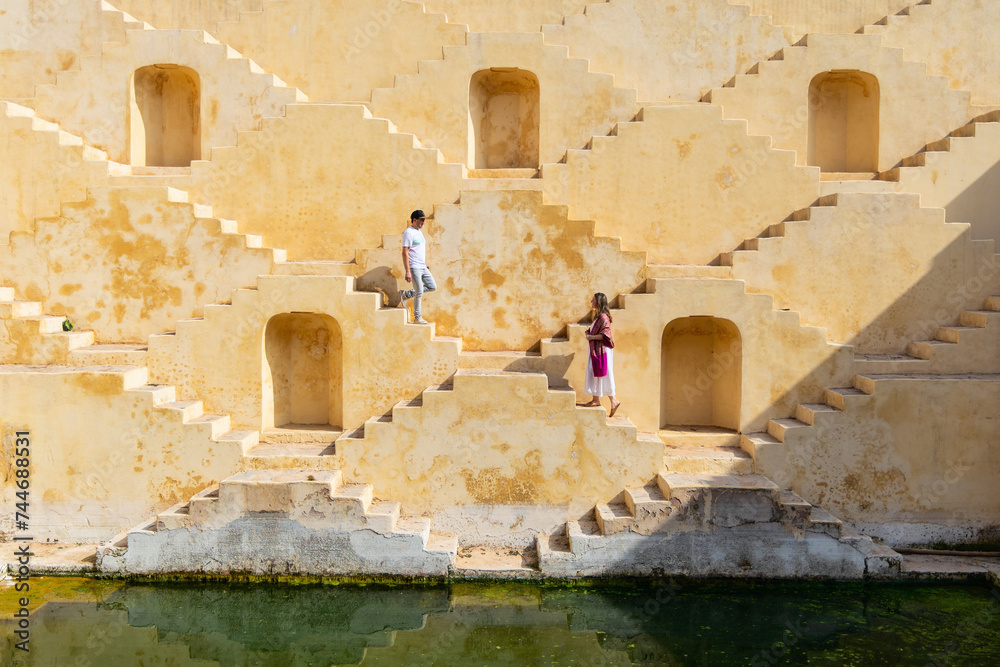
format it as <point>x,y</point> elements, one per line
<point>85,622</point>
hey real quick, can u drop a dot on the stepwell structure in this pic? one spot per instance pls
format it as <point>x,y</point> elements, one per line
<point>793,206</point>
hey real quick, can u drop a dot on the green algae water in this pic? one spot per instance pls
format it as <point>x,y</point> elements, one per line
<point>80,622</point>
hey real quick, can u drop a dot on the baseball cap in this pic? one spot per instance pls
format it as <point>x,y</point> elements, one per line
<point>417,214</point>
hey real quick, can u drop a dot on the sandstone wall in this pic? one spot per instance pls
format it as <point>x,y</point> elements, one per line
<point>682,185</point>
<point>669,51</point>
<point>223,359</point>
<point>890,269</point>
<point>127,263</point>
<point>915,457</point>
<point>111,458</point>
<point>510,271</point>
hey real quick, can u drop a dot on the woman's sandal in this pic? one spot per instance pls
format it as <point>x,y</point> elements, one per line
<point>614,409</point>
<point>592,404</point>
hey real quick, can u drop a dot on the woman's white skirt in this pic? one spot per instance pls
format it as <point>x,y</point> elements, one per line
<point>604,386</point>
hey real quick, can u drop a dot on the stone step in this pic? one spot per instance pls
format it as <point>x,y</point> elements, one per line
<point>11,309</point>
<point>794,511</point>
<point>807,413</point>
<point>688,271</point>
<point>823,521</point>
<point>686,437</point>
<point>188,409</point>
<point>781,428</point>
<point>721,500</point>
<point>316,268</point>
<point>479,562</point>
<point>383,515</point>
<point>414,525</point>
<point>843,398</point>
<point>979,318</point>
<point>877,364</point>
<point>752,443</point>
<point>707,461</point>
<point>217,424</point>
<point>322,434</point>
<point>502,361</point>
<point>109,355</point>
<point>952,334</point>
<point>291,455</point>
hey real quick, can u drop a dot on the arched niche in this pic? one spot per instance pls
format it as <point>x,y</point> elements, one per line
<point>303,369</point>
<point>165,116</point>
<point>844,121</point>
<point>701,373</point>
<point>504,119</point>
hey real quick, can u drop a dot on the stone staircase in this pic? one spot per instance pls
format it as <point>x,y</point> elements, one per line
<point>676,32</point>
<point>130,41</point>
<point>720,166</point>
<point>29,337</point>
<point>970,346</point>
<point>207,356</point>
<point>404,103</point>
<point>948,36</point>
<point>787,75</point>
<point>791,445</point>
<point>973,346</point>
<point>948,152</point>
<point>957,173</point>
<point>74,166</point>
<point>24,259</point>
<point>891,20</point>
<point>133,382</point>
<point>711,525</point>
<point>282,522</point>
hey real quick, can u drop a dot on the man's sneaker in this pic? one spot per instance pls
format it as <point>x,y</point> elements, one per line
<point>420,320</point>
<point>402,298</point>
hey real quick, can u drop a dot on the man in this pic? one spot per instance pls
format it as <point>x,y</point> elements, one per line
<point>415,265</point>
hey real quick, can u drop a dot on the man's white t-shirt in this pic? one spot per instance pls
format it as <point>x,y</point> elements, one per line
<point>414,240</point>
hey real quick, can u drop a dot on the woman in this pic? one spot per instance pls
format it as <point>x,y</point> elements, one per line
<point>600,374</point>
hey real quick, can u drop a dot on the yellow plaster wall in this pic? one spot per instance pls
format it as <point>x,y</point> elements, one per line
<point>914,109</point>
<point>127,263</point>
<point>509,269</point>
<point>808,16</point>
<point>919,450</point>
<point>29,148</point>
<point>109,460</point>
<point>950,37</point>
<point>964,180</point>
<point>94,101</point>
<point>574,104</point>
<point>40,39</point>
<point>339,51</point>
<point>323,181</point>
<point>500,439</point>
<point>890,269</point>
<point>783,362</point>
<point>508,15</point>
<point>191,14</point>
<point>682,185</point>
<point>670,51</point>
<point>221,359</point>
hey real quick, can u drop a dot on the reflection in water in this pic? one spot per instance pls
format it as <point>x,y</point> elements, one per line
<point>647,623</point>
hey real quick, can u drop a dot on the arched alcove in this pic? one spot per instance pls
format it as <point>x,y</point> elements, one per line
<point>504,119</point>
<point>303,362</point>
<point>700,373</point>
<point>165,122</point>
<point>844,121</point>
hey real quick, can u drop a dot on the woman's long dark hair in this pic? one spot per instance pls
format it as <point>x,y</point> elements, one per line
<point>602,305</point>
